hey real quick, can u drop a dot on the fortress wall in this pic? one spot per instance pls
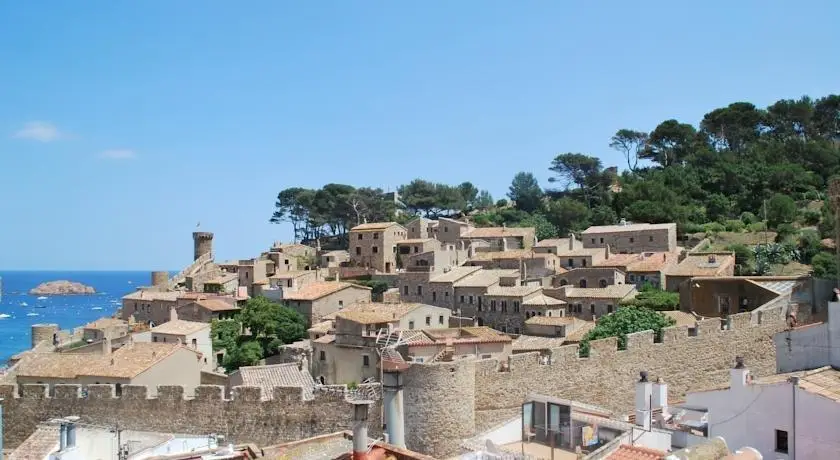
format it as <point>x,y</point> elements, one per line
<point>243,418</point>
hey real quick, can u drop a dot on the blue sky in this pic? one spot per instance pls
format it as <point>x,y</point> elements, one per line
<point>123,124</point>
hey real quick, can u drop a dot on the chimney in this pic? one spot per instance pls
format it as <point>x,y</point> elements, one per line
<point>71,432</point>
<point>62,437</point>
<point>392,402</point>
<point>173,314</point>
<point>571,241</point>
<point>607,252</point>
<point>644,393</point>
<point>660,397</point>
<point>106,345</point>
<point>360,431</point>
<point>739,374</point>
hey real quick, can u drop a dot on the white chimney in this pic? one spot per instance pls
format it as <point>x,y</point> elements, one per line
<point>644,393</point>
<point>106,345</point>
<point>173,314</point>
<point>739,374</point>
<point>660,397</point>
<point>607,252</point>
<point>571,242</point>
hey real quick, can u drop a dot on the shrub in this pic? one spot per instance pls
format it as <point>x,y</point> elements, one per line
<point>691,227</point>
<point>784,231</point>
<point>734,225</point>
<point>812,195</point>
<point>713,228</point>
<point>757,227</point>
<point>748,218</point>
<point>810,216</point>
<point>809,245</point>
<point>825,265</point>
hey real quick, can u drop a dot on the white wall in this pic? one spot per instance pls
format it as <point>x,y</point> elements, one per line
<point>802,349</point>
<point>750,415</point>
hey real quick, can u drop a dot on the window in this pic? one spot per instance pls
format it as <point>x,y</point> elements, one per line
<point>516,330</point>
<point>195,343</point>
<point>602,241</point>
<point>582,262</point>
<point>446,294</point>
<point>376,249</point>
<point>781,441</point>
<point>289,283</point>
<point>434,296</point>
<point>582,283</point>
<point>516,306</point>
<point>405,290</point>
<point>492,305</point>
<point>462,299</point>
<point>632,239</point>
<point>358,250</point>
<point>376,236</point>
<point>340,303</point>
<point>445,229</point>
<point>440,319</point>
<point>650,238</point>
<point>411,324</point>
<point>602,283</point>
<point>416,249</point>
<point>154,338</point>
<point>360,236</point>
<point>323,356</point>
<point>365,361</point>
<point>563,282</point>
<point>419,290</point>
<point>609,308</point>
<point>571,262</point>
<point>504,305</point>
<point>428,321</point>
<point>593,240</point>
<point>632,278</point>
<point>592,308</point>
<point>471,300</point>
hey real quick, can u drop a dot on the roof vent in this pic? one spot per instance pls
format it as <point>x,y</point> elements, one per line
<point>712,259</point>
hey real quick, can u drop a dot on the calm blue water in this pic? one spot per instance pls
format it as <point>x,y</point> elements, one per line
<point>66,311</point>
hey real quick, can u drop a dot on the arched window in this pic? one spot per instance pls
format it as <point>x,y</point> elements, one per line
<point>563,282</point>
<point>602,283</point>
<point>582,283</point>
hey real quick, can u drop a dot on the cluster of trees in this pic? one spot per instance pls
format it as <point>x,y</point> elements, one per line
<point>256,332</point>
<point>625,320</point>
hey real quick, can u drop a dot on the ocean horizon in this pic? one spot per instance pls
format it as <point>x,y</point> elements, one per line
<point>19,310</point>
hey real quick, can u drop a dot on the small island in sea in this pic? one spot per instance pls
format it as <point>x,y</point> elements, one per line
<point>62,287</point>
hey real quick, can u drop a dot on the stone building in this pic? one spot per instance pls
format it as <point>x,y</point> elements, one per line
<point>531,264</point>
<point>206,310</point>
<point>582,258</point>
<point>644,268</point>
<point>589,277</point>
<point>449,231</point>
<point>316,300</point>
<point>290,257</point>
<point>414,246</point>
<point>148,306</point>
<point>287,375</point>
<point>284,283</point>
<point>134,364</point>
<point>346,351</point>
<point>431,288</point>
<point>500,238</point>
<point>333,259</point>
<point>374,245</point>
<point>468,293</point>
<point>727,295</point>
<point>192,334</point>
<point>589,303</point>
<point>558,245</point>
<point>632,238</point>
<point>450,344</point>
<point>225,283</point>
<point>112,328</point>
<point>699,264</point>
<point>421,227</point>
<point>255,271</point>
<point>502,307</point>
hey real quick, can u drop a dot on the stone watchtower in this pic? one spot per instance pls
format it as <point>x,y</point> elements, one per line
<point>202,244</point>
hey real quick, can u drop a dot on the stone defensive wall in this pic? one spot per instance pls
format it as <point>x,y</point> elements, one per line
<point>447,402</point>
<point>246,417</point>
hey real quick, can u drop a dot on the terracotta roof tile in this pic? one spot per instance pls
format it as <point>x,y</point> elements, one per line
<point>320,289</point>
<point>329,338</point>
<point>625,452</point>
<point>700,265</point>
<point>499,232</point>
<point>454,275</point>
<point>485,278</point>
<point>534,342</point>
<point>179,327</point>
<point>144,294</point>
<point>215,305</point>
<point>582,328</point>
<point>682,318</point>
<point>552,242</point>
<point>613,291</point>
<point>476,334</point>
<point>415,241</point>
<point>542,320</point>
<point>373,226</point>
<point>276,375</point>
<point>321,328</point>
<point>626,228</point>
<point>105,322</point>
<point>375,312</point>
<point>512,291</point>
<point>541,300</point>
<point>291,274</point>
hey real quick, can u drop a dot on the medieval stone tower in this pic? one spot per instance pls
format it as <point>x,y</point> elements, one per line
<point>202,244</point>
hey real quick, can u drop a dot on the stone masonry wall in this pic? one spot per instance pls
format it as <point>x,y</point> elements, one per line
<point>244,418</point>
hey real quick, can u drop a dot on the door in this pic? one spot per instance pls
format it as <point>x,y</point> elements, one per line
<point>387,267</point>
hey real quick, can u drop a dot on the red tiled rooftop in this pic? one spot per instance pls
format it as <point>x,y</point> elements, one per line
<point>625,452</point>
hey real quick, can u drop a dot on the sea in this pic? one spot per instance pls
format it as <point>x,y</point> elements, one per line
<point>19,310</point>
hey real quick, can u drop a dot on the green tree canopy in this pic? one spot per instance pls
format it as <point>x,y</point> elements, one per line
<point>525,192</point>
<point>625,320</point>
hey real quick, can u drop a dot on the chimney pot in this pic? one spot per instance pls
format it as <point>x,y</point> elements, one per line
<point>739,362</point>
<point>643,376</point>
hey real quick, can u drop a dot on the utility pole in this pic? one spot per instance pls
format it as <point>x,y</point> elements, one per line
<point>122,451</point>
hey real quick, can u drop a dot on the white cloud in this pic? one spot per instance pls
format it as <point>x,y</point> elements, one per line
<point>118,154</point>
<point>40,131</point>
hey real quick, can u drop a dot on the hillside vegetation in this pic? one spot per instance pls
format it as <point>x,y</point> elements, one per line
<point>742,171</point>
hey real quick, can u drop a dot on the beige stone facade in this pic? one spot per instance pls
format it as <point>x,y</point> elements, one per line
<point>421,227</point>
<point>316,300</point>
<point>589,303</point>
<point>698,264</point>
<point>415,246</point>
<point>590,277</point>
<point>501,238</point>
<point>333,259</point>
<point>206,310</point>
<point>632,238</point>
<point>148,306</point>
<point>375,245</point>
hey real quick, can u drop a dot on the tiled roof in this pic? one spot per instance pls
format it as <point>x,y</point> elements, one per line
<point>543,300</point>
<point>699,265</point>
<point>277,375</point>
<point>128,362</point>
<point>580,252</point>
<point>627,452</point>
<point>824,381</point>
<point>534,342</point>
<point>373,226</point>
<point>475,334</point>
<point>291,274</point>
<point>415,241</point>
<point>143,294</point>
<point>499,232</point>
<point>179,327</point>
<point>506,255</point>
<point>512,291</point>
<point>329,338</point>
<point>484,278</point>
<point>321,328</point>
<point>38,445</point>
<point>682,318</point>
<point>320,289</point>
<point>454,275</point>
<point>216,305</point>
<point>102,323</point>
<point>374,312</point>
<point>542,320</point>
<point>339,252</point>
<point>416,337</point>
<point>626,228</point>
<point>552,242</point>
<point>582,328</point>
<point>613,291</point>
